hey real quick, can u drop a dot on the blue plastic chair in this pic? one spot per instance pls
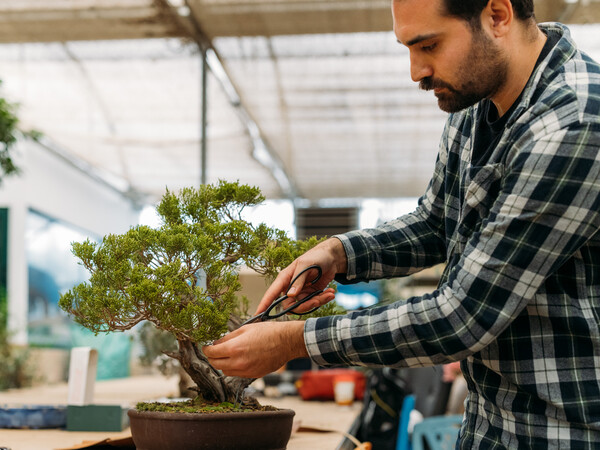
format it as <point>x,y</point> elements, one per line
<point>403,439</point>
<point>440,433</point>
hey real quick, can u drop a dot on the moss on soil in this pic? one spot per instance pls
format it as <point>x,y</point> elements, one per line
<point>199,405</point>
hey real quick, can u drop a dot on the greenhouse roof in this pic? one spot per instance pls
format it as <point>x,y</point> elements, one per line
<point>306,99</point>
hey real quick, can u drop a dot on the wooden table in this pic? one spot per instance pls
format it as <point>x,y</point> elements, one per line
<point>128,391</point>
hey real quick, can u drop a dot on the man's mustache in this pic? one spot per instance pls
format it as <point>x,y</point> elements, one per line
<point>429,84</point>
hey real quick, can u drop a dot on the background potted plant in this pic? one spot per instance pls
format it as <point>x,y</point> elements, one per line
<point>8,137</point>
<point>16,370</point>
<point>184,278</point>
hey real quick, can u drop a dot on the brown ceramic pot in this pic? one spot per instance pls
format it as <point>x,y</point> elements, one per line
<point>223,431</point>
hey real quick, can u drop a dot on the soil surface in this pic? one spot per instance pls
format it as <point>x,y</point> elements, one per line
<point>199,405</point>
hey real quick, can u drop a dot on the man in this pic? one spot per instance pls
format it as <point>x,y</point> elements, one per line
<point>513,208</point>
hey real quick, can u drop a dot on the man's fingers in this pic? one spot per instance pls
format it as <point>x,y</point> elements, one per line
<point>274,291</point>
<point>214,351</point>
<point>228,354</point>
<point>316,301</point>
<point>297,286</point>
<point>221,348</point>
<point>258,349</point>
<point>286,282</point>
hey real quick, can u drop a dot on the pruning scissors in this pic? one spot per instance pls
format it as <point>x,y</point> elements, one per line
<point>268,313</point>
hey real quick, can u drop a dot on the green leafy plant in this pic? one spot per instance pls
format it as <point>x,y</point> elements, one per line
<point>8,137</point>
<point>183,276</point>
<point>16,370</point>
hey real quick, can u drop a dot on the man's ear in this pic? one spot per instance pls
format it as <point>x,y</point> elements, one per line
<point>497,17</point>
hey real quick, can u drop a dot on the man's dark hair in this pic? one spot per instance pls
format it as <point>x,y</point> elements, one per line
<point>470,10</point>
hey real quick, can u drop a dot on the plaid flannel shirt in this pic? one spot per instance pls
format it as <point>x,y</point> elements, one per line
<point>519,301</point>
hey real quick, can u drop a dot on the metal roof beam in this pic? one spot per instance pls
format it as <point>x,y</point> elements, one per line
<point>262,151</point>
<point>81,23</point>
<point>68,20</point>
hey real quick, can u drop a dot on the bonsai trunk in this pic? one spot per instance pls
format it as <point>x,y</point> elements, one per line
<point>211,385</point>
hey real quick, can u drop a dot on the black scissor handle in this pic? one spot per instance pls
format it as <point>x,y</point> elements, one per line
<point>266,314</point>
<point>292,307</point>
<point>317,278</point>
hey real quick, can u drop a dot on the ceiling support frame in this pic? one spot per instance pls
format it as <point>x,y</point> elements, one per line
<point>261,150</point>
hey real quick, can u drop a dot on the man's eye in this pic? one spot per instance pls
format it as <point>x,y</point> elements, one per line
<point>429,48</point>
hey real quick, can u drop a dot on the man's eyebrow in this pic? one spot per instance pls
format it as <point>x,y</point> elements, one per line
<point>420,38</point>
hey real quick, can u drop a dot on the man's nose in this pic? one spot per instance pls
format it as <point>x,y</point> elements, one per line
<point>419,68</point>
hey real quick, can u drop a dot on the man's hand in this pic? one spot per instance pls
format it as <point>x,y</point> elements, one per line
<point>330,255</point>
<point>258,349</point>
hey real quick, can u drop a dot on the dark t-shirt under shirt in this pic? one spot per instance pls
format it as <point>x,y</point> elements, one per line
<point>490,126</point>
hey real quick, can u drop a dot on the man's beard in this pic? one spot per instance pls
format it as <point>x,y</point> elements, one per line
<point>481,73</point>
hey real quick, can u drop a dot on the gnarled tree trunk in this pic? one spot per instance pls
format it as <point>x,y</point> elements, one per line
<point>210,384</point>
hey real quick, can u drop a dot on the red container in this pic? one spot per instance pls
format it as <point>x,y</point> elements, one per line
<point>319,384</point>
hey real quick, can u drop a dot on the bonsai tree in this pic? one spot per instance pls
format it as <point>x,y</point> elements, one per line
<point>183,276</point>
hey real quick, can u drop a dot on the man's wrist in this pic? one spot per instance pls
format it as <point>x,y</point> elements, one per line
<point>339,254</point>
<point>295,334</point>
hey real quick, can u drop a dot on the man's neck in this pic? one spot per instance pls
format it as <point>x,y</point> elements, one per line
<point>522,64</point>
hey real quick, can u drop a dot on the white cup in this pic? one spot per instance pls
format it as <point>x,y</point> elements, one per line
<point>343,391</point>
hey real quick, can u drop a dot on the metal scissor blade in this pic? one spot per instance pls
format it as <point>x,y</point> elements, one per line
<point>256,318</point>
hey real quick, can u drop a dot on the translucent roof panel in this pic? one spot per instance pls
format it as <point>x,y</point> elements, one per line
<point>131,109</point>
<point>339,110</point>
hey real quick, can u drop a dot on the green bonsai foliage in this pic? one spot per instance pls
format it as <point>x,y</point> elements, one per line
<point>183,277</point>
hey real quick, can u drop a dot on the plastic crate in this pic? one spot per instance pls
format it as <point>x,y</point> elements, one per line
<point>33,416</point>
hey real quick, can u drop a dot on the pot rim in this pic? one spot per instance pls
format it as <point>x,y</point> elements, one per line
<point>161,415</point>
